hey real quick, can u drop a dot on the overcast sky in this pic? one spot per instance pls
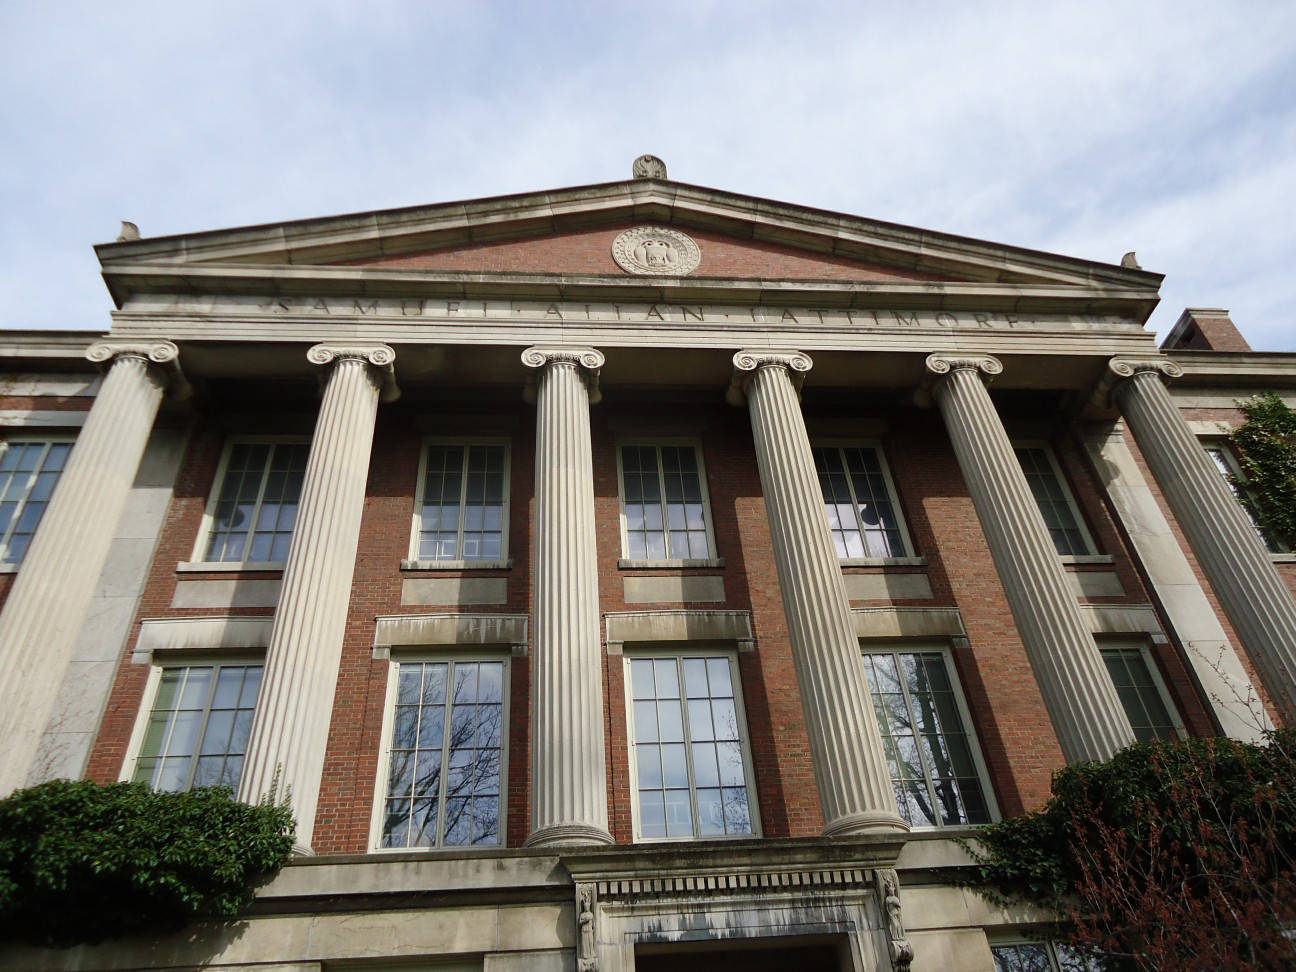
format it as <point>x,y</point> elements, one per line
<point>1087,129</point>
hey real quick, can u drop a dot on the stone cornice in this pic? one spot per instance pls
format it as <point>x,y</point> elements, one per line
<point>163,355</point>
<point>380,357</point>
<point>747,361</point>
<point>588,362</point>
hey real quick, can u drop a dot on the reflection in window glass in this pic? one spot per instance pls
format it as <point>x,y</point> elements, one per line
<point>1139,694</point>
<point>928,749</point>
<point>28,472</point>
<point>198,730</point>
<point>462,512</point>
<point>1041,957</point>
<point>861,512</point>
<point>1054,502</point>
<point>664,513</point>
<point>443,779</point>
<point>257,504</point>
<point>688,748</point>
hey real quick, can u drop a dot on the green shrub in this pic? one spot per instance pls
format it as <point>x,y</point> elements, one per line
<point>81,862</point>
<point>1268,445</point>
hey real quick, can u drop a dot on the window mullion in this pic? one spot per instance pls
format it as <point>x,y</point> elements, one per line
<point>256,510</point>
<point>855,505</point>
<point>928,775</point>
<point>202,724</point>
<point>661,500</point>
<point>447,724</point>
<point>466,458</point>
<point>688,746</point>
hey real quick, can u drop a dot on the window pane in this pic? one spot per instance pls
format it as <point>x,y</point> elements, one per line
<point>1054,501</point>
<point>662,503</point>
<point>688,783</point>
<point>932,770</point>
<point>28,473</point>
<point>461,513</point>
<point>1142,701</point>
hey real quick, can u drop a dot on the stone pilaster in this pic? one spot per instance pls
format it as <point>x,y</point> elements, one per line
<point>850,766</point>
<point>45,609</point>
<point>1249,587</point>
<point>568,776</point>
<point>1078,691</point>
<point>290,729</point>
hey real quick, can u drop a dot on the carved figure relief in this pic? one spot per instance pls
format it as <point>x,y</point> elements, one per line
<point>888,890</point>
<point>657,251</point>
<point>586,949</point>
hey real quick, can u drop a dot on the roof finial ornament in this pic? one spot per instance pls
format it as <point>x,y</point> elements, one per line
<point>1130,262</point>
<point>129,231</point>
<point>649,167</point>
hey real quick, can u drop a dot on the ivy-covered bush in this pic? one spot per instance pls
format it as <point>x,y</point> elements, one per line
<point>81,862</point>
<point>1267,442</point>
<point>1177,855</point>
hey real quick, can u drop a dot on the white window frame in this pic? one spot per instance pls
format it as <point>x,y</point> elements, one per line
<point>1119,643</point>
<point>883,647</point>
<point>676,651</point>
<point>713,557</point>
<point>1221,446</point>
<point>416,527</point>
<point>453,654</point>
<point>1091,548</point>
<point>48,440</point>
<point>909,554</point>
<point>213,501</point>
<point>148,699</point>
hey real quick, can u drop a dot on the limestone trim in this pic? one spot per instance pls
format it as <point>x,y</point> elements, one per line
<point>163,354</point>
<point>460,630</point>
<point>589,363</point>
<point>569,776</point>
<point>42,618</point>
<point>1250,589</point>
<point>1102,402</point>
<point>629,627</point>
<point>290,728</point>
<point>380,356</point>
<point>214,634</point>
<point>1091,723</point>
<point>907,622</point>
<point>888,892</point>
<point>850,766</point>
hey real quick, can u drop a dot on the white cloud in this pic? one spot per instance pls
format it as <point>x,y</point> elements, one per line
<point>1084,128</point>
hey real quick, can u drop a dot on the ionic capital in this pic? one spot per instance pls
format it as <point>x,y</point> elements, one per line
<point>937,367</point>
<point>587,361</point>
<point>748,361</point>
<point>162,355</point>
<point>1118,370</point>
<point>380,357</point>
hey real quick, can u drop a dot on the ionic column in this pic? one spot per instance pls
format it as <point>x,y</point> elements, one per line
<point>290,729</point>
<point>568,777</point>
<point>850,766</point>
<point>46,607</point>
<point>1078,691</point>
<point>1252,593</point>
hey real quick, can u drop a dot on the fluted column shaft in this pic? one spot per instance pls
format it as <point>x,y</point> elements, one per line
<point>850,765</point>
<point>1078,691</point>
<point>290,729</point>
<point>568,774</point>
<point>1249,587</point>
<point>46,607</point>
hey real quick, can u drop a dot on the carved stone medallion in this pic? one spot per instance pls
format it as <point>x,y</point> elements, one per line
<point>657,251</point>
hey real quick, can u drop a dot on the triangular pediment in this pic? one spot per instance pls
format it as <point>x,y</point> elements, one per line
<point>568,234</point>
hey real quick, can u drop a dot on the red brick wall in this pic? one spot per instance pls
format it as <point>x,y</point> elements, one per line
<point>590,251</point>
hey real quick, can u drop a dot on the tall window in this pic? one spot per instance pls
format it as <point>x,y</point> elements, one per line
<point>859,501</point>
<point>689,756</point>
<point>935,766</point>
<point>198,730</point>
<point>1056,504</point>
<point>445,754</point>
<point>663,503</point>
<point>256,506</point>
<point>1141,693</point>
<point>462,510</point>
<point>1232,473</point>
<point>1040,957</point>
<point>29,468</point>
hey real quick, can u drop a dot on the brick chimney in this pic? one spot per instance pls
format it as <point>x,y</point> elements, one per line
<point>1205,329</point>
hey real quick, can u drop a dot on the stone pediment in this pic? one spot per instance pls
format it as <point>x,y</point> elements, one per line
<point>568,236</point>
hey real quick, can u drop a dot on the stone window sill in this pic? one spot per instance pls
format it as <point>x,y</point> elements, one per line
<point>1088,559</point>
<point>883,561</point>
<point>657,564</point>
<point>456,564</point>
<point>9,568</point>
<point>216,566</point>
<point>1277,558</point>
